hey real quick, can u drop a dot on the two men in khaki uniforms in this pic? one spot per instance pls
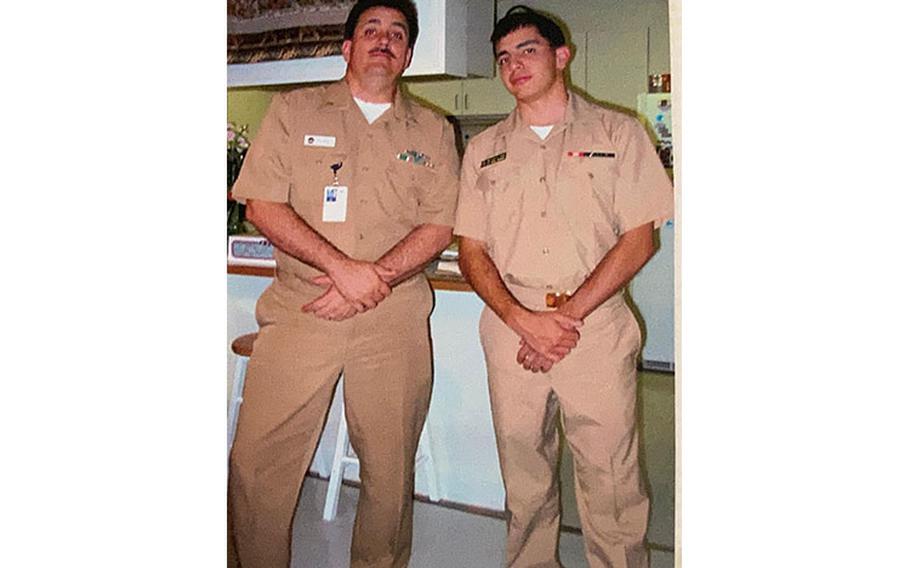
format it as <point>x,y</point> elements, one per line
<point>355,205</point>
<point>556,213</point>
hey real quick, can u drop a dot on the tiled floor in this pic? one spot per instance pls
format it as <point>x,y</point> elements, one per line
<point>443,537</point>
<point>449,538</point>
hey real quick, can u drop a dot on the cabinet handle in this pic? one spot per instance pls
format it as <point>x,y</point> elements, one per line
<point>466,101</point>
<point>456,102</point>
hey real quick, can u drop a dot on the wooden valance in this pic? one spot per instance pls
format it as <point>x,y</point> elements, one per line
<point>277,30</point>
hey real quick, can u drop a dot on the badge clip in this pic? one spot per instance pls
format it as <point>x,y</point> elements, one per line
<point>335,168</point>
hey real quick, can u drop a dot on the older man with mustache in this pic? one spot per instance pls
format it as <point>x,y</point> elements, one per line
<point>355,184</point>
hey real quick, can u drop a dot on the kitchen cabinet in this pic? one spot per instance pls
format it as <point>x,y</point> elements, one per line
<point>632,45</point>
<point>464,97</point>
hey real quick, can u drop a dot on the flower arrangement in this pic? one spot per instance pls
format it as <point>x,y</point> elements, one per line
<point>237,139</point>
<point>237,145</point>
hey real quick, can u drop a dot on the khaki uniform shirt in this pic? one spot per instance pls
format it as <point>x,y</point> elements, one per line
<point>400,171</point>
<point>550,210</point>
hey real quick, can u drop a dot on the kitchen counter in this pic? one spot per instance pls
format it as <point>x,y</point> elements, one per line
<point>462,436</point>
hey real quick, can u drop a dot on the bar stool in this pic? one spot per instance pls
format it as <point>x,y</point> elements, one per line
<point>242,348</point>
<point>345,456</point>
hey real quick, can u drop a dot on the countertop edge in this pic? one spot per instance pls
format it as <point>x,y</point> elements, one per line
<point>438,281</point>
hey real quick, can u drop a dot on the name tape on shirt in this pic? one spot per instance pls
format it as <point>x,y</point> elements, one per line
<point>592,154</point>
<point>319,140</point>
<point>493,159</point>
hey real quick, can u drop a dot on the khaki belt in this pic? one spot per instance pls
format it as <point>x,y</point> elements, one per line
<point>557,299</point>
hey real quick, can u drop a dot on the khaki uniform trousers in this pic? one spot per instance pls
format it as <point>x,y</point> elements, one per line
<point>295,365</point>
<point>594,388</point>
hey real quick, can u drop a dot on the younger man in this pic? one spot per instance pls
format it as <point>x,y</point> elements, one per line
<point>556,211</point>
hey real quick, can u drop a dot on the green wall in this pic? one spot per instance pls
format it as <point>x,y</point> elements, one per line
<point>247,106</point>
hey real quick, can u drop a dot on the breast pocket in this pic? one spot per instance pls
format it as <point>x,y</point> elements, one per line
<point>592,191</point>
<point>312,173</point>
<point>408,185</point>
<point>501,188</point>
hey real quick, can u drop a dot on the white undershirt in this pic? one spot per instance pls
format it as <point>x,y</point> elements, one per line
<point>372,111</point>
<point>542,131</point>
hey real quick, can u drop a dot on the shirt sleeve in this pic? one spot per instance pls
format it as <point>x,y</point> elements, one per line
<point>266,171</point>
<point>644,193</point>
<point>470,218</point>
<point>437,204</point>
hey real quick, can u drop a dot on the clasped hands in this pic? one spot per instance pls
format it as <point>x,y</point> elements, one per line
<point>546,338</point>
<point>353,287</point>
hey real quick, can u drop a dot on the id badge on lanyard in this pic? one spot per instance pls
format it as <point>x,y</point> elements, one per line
<point>335,199</point>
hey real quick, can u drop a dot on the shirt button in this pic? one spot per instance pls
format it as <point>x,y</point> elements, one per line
<point>543,179</point>
<point>543,213</point>
<point>546,250</point>
<point>360,236</point>
<point>365,169</point>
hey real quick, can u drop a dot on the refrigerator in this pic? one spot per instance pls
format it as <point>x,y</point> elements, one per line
<point>652,289</point>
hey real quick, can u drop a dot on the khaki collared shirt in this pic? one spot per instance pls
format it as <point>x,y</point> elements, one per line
<point>387,196</point>
<point>548,215</point>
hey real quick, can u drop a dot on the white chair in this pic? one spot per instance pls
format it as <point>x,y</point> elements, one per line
<point>242,348</point>
<point>345,456</point>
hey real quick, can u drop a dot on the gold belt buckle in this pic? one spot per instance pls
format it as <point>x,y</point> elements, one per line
<point>554,300</point>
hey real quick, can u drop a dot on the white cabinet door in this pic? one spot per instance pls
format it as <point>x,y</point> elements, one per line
<point>485,96</point>
<point>464,97</point>
<point>444,95</point>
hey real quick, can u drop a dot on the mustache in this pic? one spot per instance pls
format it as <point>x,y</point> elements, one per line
<point>383,50</point>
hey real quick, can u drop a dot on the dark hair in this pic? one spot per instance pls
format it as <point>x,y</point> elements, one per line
<point>522,17</point>
<point>406,7</point>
